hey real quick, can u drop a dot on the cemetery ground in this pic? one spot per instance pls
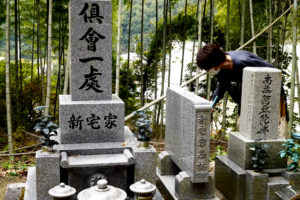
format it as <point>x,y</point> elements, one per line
<point>14,169</point>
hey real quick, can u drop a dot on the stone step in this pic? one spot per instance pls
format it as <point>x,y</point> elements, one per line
<point>288,193</point>
<point>30,190</point>
<point>105,160</point>
<point>274,185</point>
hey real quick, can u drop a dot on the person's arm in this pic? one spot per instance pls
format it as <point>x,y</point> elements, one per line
<point>218,94</point>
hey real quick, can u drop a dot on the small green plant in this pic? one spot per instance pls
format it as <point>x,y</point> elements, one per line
<point>259,156</point>
<point>45,126</point>
<point>291,153</point>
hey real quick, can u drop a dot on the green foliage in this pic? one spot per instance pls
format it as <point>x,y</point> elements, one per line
<point>290,151</point>
<point>259,155</point>
<point>45,126</point>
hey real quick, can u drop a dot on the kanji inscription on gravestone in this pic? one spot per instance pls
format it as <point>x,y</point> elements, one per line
<point>91,44</point>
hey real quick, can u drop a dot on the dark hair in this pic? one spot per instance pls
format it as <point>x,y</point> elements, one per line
<point>209,56</point>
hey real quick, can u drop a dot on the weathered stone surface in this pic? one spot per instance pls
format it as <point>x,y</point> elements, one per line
<point>165,165</point>
<point>256,185</point>
<point>47,173</point>
<point>14,191</point>
<point>292,177</point>
<point>188,132</point>
<point>260,103</point>
<point>91,121</point>
<point>275,184</point>
<point>145,164</point>
<point>185,189</point>
<point>230,178</point>
<point>30,190</point>
<point>91,50</point>
<point>240,154</point>
<point>288,193</point>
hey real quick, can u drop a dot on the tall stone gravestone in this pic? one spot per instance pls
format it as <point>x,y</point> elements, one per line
<point>259,124</point>
<point>187,142</point>
<point>91,119</point>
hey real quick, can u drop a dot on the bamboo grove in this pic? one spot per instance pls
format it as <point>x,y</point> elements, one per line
<point>35,61</point>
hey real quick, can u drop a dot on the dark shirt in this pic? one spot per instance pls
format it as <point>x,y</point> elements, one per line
<point>231,80</point>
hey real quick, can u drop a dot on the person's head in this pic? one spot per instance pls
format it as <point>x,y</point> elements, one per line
<point>210,56</point>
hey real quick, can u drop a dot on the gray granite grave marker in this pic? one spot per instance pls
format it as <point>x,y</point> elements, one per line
<point>91,49</point>
<point>260,103</point>
<point>188,132</point>
<point>91,121</point>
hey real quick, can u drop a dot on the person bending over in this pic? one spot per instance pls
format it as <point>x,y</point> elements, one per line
<point>228,69</point>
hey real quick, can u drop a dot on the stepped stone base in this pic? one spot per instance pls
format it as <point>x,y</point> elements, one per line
<point>239,152</point>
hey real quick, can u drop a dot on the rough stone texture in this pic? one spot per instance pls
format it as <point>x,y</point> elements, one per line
<point>188,132</point>
<point>292,177</point>
<point>79,50</point>
<point>288,193</point>
<point>92,129</point>
<point>47,173</point>
<point>185,189</point>
<point>145,164</point>
<point>256,185</point>
<point>30,190</point>
<point>260,103</point>
<point>165,165</point>
<point>275,184</point>
<point>14,191</point>
<point>230,178</point>
<point>239,153</point>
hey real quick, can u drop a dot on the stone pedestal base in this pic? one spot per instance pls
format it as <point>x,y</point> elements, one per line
<point>239,152</point>
<point>238,184</point>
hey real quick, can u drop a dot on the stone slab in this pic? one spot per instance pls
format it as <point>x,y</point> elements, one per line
<point>256,185</point>
<point>188,132</point>
<point>15,191</point>
<point>260,103</point>
<point>275,184</point>
<point>292,177</point>
<point>91,121</point>
<point>168,182</point>
<point>230,178</point>
<point>185,189</point>
<point>30,190</point>
<point>239,152</point>
<point>47,173</point>
<point>165,165</point>
<point>104,160</point>
<point>92,148</point>
<point>91,50</point>
<point>288,193</point>
<point>145,164</point>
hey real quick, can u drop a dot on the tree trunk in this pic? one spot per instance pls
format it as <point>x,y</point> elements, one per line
<point>270,33</point>
<point>155,121</point>
<point>17,66</point>
<point>243,22</point>
<point>67,68</point>
<point>163,67</point>
<point>39,52</point>
<point>141,57</point>
<point>183,43</point>
<point>201,16</point>
<point>294,65</point>
<point>7,81</point>
<point>48,95</point>
<point>225,98</point>
<point>170,43</point>
<point>252,25</point>
<point>118,48</point>
<point>211,42</point>
<point>20,50</point>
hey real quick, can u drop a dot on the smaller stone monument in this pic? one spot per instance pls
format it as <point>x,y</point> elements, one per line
<point>183,168</point>
<point>234,173</point>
